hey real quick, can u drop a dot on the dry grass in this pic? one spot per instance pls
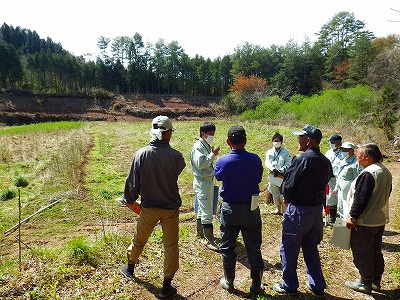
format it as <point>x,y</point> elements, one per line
<point>73,249</point>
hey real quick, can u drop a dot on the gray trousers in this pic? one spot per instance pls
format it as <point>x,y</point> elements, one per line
<point>366,245</point>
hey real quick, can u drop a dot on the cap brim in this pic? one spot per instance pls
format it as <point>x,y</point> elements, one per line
<point>298,132</point>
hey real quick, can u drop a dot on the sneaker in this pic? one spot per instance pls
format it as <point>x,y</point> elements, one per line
<point>280,290</point>
<point>166,292</point>
<point>359,286</point>
<point>127,271</point>
<point>276,212</point>
<point>315,292</point>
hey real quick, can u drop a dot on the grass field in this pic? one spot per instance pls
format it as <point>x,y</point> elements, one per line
<point>72,250</point>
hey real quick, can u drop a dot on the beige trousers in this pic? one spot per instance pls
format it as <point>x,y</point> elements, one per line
<point>148,219</point>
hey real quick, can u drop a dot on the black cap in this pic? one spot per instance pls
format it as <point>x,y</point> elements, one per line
<point>335,138</point>
<point>236,135</point>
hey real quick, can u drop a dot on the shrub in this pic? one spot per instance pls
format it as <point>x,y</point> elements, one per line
<point>8,194</point>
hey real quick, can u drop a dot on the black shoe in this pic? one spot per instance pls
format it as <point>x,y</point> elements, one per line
<point>280,290</point>
<point>166,292</point>
<point>360,286</point>
<point>127,270</point>
<point>315,292</point>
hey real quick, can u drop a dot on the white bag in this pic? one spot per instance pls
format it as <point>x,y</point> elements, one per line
<point>341,235</point>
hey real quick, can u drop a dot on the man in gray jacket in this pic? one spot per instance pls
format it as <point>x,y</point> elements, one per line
<point>154,175</point>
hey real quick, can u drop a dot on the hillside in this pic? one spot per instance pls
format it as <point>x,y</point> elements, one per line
<point>18,107</point>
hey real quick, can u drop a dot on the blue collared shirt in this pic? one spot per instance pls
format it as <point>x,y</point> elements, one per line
<point>240,172</point>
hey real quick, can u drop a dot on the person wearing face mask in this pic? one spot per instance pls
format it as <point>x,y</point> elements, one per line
<point>202,156</point>
<point>334,154</point>
<point>277,161</point>
<point>348,171</point>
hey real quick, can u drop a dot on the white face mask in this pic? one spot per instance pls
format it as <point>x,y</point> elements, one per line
<point>209,139</point>
<point>345,155</point>
<point>277,144</point>
<point>333,146</point>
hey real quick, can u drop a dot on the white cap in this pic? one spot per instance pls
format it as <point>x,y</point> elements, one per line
<point>348,145</point>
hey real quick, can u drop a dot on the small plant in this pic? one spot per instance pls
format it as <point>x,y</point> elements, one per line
<point>21,182</point>
<point>157,236</point>
<point>81,252</point>
<point>8,194</point>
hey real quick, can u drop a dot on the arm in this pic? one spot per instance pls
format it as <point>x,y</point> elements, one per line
<point>365,184</point>
<point>132,183</point>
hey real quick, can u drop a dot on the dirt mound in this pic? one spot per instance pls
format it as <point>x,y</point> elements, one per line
<point>17,108</point>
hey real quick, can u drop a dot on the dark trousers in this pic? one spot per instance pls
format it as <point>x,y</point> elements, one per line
<point>237,218</point>
<point>366,245</point>
<point>301,228</point>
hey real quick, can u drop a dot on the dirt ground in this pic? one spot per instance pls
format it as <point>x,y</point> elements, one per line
<point>203,280</point>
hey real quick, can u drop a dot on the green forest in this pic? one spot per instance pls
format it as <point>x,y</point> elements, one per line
<point>344,55</point>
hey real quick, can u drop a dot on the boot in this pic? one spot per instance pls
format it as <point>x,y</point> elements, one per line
<point>199,228</point>
<point>278,204</point>
<point>229,276</point>
<point>209,235</point>
<point>376,283</point>
<point>256,284</point>
<point>332,214</point>
<point>167,289</point>
<point>127,270</point>
<point>361,285</point>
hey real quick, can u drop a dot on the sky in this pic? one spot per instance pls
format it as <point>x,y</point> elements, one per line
<point>210,28</point>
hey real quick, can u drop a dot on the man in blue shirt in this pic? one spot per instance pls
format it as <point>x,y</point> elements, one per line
<point>240,173</point>
<point>304,192</point>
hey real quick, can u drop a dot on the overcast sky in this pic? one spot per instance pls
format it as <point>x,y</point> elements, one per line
<point>209,28</point>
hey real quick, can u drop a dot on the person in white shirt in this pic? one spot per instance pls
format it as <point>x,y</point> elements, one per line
<point>277,161</point>
<point>348,171</point>
<point>334,154</point>
<point>202,156</point>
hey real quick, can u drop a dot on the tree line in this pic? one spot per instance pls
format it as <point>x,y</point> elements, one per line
<point>344,55</point>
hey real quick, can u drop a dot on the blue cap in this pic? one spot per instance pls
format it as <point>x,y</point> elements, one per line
<point>311,131</point>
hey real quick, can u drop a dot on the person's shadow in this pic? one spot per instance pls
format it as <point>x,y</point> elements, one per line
<point>153,289</point>
<point>390,247</point>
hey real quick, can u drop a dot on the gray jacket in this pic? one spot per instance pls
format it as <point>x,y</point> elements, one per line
<point>154,176</point>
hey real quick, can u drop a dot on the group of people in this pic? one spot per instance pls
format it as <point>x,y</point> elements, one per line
<point>300,194</point>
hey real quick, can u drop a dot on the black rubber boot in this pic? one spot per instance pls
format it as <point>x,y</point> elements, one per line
<point>332,214</point>
<point>376,282</point>
<point>229,276</point>
<point>167,289</point>
<point>209,235</point>
<point>127,270</point>
<point>256,284</point>
<point>199,228</point>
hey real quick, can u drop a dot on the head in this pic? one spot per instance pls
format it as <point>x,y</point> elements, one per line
<point>335,141</point>
<point>368,154</point>
<point>207,131</point>
<point>277,140</point>
<point>347,149</point>
<point>236,137</point>
<point>309,137</point>
<point>161,128</point>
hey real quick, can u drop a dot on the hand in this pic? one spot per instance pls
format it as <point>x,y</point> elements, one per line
<point>351,223</point>
<point>215,151</point>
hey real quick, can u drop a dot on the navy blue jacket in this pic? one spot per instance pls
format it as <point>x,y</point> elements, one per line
<point>306,179</point>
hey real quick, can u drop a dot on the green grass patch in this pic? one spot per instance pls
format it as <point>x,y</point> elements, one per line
<point>40,127</point>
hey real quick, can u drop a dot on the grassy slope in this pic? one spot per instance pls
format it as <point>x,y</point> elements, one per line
<point>75,247</point>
